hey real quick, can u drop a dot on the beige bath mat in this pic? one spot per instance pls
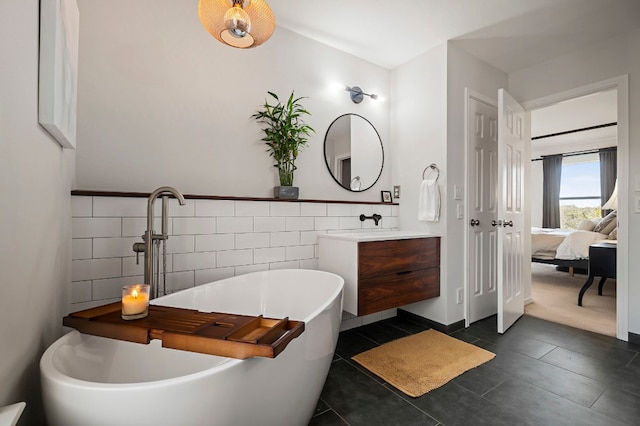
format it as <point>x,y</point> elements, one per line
<point>422,362</point>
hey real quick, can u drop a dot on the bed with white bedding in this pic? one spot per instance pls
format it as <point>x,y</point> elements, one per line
<point>570,248</point>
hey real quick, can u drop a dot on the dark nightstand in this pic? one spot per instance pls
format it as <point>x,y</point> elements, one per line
<point>602,263</point>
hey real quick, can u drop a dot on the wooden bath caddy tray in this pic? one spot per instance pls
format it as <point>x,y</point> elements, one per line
<point>213,333</point>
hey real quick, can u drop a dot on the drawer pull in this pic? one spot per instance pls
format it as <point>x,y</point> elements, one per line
<point>403,272</point>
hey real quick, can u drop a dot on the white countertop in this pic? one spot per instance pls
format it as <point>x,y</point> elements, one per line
<point>376,235</point>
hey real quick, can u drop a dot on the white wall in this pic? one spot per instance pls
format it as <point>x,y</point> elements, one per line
<point>35,181</point>
<point>419,135</point>
<point>428,127</point>
<point>463,70</point>
<point>607,59</point>
<point>161,102</point>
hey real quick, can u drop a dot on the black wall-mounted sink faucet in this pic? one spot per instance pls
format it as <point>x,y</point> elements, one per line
<point>376,218</point>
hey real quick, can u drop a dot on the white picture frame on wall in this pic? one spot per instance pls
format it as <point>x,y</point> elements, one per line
<point>58,78</point>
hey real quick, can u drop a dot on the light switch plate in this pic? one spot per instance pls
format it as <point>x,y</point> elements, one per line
<point>460,211</point>
<point>396,192</point>
<point>636,188</point>
<point>458,192</point>
<point>636,203</point>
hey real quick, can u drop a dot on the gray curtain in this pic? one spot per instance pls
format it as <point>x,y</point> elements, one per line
<point>608,174</point>
<point>551,175</point>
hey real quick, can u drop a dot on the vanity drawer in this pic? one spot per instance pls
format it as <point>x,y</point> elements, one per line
<point>390,291</point>
<point>393,256</point>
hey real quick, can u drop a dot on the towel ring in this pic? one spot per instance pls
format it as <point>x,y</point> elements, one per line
<point>431,167</point>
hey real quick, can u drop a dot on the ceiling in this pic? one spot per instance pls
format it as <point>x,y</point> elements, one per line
<point>509,34</point>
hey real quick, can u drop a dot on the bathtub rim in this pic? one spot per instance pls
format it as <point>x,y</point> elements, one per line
<point>49,370</point>
<point>313,314</point>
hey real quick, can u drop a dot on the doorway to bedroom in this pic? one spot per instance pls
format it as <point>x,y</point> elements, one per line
<point>573,205</point>
<point>621,85</point>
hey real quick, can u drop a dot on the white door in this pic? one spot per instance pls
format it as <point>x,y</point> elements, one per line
<point>482,184</point>
<point>514,135</point>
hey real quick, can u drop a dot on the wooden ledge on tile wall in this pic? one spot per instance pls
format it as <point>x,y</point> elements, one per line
<point>212,333</point>
<point>89,193</point>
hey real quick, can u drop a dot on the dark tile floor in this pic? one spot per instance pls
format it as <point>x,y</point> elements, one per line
<point>543,374</point>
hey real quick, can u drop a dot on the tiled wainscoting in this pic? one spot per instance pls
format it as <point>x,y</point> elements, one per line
<point>208,240</point>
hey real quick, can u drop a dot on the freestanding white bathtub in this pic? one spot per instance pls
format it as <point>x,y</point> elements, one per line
<point>89,380</point>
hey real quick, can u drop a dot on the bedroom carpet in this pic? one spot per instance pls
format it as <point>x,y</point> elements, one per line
<point>555,298</point>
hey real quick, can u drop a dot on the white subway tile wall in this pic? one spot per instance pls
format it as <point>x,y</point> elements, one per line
<point>208,240</point>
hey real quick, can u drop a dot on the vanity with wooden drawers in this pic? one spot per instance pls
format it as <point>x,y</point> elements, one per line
<point>382,270</point>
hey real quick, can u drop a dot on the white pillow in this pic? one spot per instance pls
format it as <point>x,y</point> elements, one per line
<point>587,225</point>
<point>610,227</point>
<point>611,217</point>
<point>576,245</point>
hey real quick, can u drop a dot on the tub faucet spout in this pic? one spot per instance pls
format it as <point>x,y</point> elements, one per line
<point>150,237</point>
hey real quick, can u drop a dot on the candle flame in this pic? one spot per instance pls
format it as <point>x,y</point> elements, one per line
<point>134,293</point>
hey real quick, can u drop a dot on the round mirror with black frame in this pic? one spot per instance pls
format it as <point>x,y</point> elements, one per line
<point>353,152</point>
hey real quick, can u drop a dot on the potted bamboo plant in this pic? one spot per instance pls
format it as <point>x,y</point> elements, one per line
<point>285,134</point>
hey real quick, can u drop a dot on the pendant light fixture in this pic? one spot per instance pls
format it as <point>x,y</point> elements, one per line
<point>237,23</point>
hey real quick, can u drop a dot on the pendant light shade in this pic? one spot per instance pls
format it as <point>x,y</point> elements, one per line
<point>237,23</point>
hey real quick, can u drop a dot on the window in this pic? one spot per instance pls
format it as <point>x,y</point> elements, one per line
<point>579,190</point>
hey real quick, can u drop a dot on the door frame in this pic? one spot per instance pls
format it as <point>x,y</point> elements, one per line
<point>621,84</point>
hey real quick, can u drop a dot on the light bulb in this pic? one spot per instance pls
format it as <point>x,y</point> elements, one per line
<point>237,21</point>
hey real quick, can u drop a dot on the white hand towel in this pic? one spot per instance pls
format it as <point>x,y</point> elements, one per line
<point>429,201</point>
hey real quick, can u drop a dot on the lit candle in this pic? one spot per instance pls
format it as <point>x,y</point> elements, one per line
<point>135,301</point>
